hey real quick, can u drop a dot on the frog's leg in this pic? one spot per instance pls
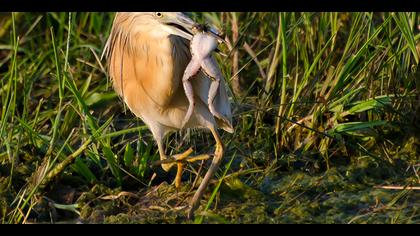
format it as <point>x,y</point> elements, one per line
<point>211,68</point>
<point>192,69</point>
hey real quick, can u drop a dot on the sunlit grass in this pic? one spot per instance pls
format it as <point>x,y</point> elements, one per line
<point>318,90</point>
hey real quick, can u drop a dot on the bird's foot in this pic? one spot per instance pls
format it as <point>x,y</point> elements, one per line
<point>180,165</point>
<point>182,160</point>
<point>168,162</point>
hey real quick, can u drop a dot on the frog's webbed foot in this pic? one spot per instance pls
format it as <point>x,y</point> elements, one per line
<point>191,70</point>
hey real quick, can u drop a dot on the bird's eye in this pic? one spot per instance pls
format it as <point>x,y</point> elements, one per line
<point>158,14</point>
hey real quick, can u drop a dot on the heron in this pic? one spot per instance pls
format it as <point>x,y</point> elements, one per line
<point>147,54</point>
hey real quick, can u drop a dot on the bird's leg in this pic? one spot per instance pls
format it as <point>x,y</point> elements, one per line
<point>168,163</point>
<point>191,70</point>
<point>165,166</point>
<point>183,158</point>
<point>211,68</point>
<point>218,154</point>
<point>180,166</point>
<point>179,159</point>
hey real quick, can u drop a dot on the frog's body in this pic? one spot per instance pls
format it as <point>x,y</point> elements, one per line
<point>202,45</point>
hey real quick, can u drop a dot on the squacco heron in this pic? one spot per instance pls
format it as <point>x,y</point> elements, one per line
<point>147,54</point>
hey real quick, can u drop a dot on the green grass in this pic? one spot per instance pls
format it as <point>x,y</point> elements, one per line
<point>326,108</point>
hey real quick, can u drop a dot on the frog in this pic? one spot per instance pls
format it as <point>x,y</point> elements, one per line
<point>205,41</point>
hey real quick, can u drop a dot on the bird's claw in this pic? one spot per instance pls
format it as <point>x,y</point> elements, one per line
<point>180,160</point>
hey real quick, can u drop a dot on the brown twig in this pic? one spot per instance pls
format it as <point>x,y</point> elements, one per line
<point>399,187</point>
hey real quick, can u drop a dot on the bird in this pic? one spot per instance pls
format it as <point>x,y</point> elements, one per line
<point>147,54</point>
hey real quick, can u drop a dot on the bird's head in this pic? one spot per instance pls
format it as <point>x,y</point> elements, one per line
<point>159,24</point>
<point>177,23</point>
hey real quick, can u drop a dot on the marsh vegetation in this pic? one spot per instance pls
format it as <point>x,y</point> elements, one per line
<point>326,114</point>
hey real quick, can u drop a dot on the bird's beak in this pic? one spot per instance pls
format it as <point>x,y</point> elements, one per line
<point>180,25</point>
<point>217,35</point>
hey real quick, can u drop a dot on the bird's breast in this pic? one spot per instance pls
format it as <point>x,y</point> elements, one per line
<point>147,72</point>
<point>160,69</point>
